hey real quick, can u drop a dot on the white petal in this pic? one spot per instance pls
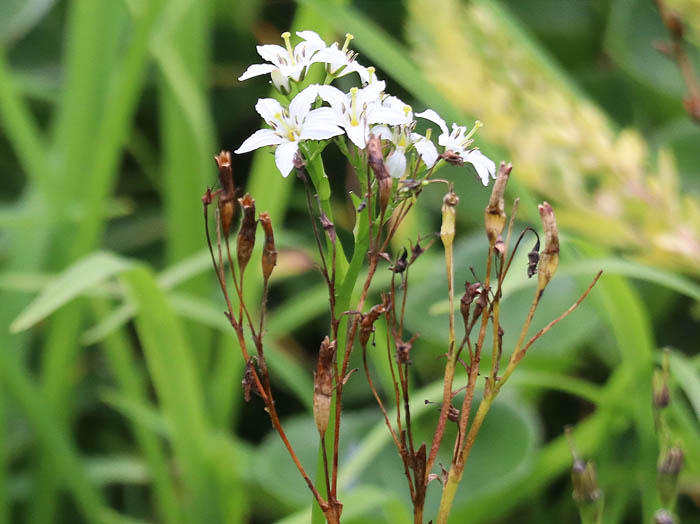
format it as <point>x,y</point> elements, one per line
<point>357,134</point>
<point>284,157</point>
<point>315,42</point>
<point>262,137</point>
<point>315,131</point>
<point>280,79</point>
<point>257,70</point>
<point>396,162</point>
<point>300,104</point>
<point>484,165</point>
<point>426,149</point>
<point>377,114</point>
<point>273,53</point>
<point>270,109</point>
<point>324,115</point>
<point>383,132</point>
<point>431,115</point>
<point>371,93</point>
<point>334,96</point>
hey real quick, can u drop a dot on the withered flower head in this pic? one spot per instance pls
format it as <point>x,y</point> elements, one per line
<point>452,157</point>
<point>453,413</point>
<point>323,384</point>
<point>246,234</point>
<point>249,384</point>
<point>368,320</point>
<point>269,254</point>
<point>401,263</point>
<point>533,258</point>
<point>495,214</point>
<point>327,226</point>
<point>549,260</point>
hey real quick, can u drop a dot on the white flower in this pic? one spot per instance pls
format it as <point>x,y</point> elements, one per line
<point>404,138</point>
<point>458,140</point>
<point>291,126</point>
<point>360,108</point>
<point>286,63</point>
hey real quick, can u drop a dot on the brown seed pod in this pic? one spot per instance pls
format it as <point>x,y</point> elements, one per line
<point>269,254</point>
<point>323,384</point>
<point>246,234</point>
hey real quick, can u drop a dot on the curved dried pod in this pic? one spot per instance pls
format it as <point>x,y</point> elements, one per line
<point>269,254</point>
<point>549,259</point>
<point>495,212</point>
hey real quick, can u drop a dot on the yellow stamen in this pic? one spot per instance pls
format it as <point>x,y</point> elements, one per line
<point>353,107</point>
<point>371,71</point>
<point>477,125</point>
<point>406,110</point>
<point>428,132</point>
<point>348,37</point>
<point>288,44</point>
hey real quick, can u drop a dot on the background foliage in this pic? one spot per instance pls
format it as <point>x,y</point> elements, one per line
<point>119,376</point>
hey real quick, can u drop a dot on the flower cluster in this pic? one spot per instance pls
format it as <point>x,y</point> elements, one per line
<point>363,111</point>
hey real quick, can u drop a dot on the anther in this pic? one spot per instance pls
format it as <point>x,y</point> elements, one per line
<point>348,37</point>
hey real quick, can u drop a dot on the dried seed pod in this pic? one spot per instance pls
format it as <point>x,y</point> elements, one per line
<point>449,214</point>
<point>549,259</point>
<point>227,196</point>
<point>269,254</point>
<point>495,212</point>
<point>246,234</point>
<point>381,173</point>
<point>323,384</point>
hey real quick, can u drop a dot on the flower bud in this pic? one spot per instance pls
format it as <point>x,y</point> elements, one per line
<point>269,254</point>
<point>587,494</point>
<point>227,196</point>
<point>664,517</point>
<point>549,259</point>
<point>449,215</point>
<point>495,213</point>
<point>667,475</point>
<point>323,385</point>
<point>661,393</point>
<point>246,234</point>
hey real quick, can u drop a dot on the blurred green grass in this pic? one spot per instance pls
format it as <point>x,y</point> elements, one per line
<point>110,114</point>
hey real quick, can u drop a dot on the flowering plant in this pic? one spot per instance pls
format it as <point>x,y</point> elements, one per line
<point>392,163</point>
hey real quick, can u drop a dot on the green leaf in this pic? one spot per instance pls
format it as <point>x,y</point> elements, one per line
<point>74,281</point>
<point>177,386</point>
<point>687,379</point>
<point>17,17</point>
